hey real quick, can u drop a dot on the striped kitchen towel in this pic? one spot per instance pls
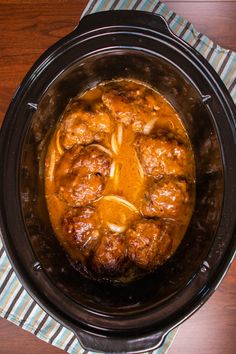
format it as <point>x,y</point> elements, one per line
<point>15,303</point>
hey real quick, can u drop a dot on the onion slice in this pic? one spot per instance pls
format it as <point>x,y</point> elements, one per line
<point>102,148</point>
<point>114,143</point>
<point>117,174</point>
<point>121,200</point>
<point>149,126</point>
<point>58,145</point>
<point>52,165</point>
<point>119,134</point>
<point>97,200</point>
<point>112,169</point>
<point>116,228</point>
<point>171,124</point>
<point>140,168</point>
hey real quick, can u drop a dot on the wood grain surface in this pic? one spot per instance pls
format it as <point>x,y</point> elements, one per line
<point>27,29</point>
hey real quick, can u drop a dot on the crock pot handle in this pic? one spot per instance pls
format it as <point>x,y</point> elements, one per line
<point>146,20</point>
<point>101,343</point>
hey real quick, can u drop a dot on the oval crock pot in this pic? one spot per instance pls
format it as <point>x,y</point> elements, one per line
<point>105,46</point>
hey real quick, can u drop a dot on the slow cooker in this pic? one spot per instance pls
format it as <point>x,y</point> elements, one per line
<point>105,46</point>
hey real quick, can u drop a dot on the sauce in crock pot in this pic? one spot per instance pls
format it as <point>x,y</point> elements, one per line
<point>119,180</point>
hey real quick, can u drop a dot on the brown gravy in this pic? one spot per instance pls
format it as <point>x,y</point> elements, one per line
<point>120,180</point>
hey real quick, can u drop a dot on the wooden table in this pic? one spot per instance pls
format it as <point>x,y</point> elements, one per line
<point>27,28</point>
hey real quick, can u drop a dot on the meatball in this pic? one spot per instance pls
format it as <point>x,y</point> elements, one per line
<point>81,229</point>
<point>110,254</point>
<point>81,190</point>
<point>119,105</point>
<point>132,104</point>
<point>81,175</point>
<point>92,160</point>
<point>161,156</point>
<point>149,243</point>
<point>84,123</point>
<point>166,198</point>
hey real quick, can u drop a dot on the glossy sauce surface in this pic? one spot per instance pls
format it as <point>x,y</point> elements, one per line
<point>119,180</point>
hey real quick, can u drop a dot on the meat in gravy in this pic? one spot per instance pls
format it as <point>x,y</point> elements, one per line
<point>119,180</point>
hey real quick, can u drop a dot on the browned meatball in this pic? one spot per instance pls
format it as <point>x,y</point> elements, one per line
<point>119,105</point>
<point>130,104</point>
<point>81,229</point>
<point>84,123</point>
<point>92,160</point>
<point>160,156</point>
<point>81,175</point>
<point>81,190</point>
<point>166,198</point>
<point>148,244</point>
<point>110,254</point>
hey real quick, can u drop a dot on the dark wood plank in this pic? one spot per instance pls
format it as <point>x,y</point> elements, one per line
<point>211,330</point>
<point>27,29</point>
<point>14,340</point>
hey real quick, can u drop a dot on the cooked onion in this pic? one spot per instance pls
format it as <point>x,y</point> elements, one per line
<point>58,145</point>
<point>116,177</point>
<point>112,169</point>
<point>102,148</point>
<point>121,200</point>
<point>171,124</point>
<point>116,174</point>
<point>116,228</point>
<point>119,134</point>
<point>52,165</point>
<point>114,144</point>
<point>99,198</point>
<point>140,168</point>
<point>149,126</point>
<point>89,239</point>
